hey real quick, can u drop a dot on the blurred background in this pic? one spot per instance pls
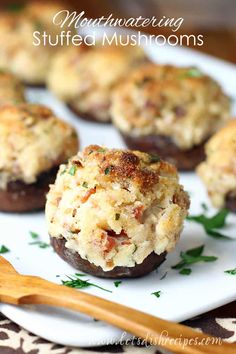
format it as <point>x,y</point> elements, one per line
<point>215,19</point>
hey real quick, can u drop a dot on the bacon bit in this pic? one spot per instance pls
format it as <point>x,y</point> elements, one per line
<point>75,231</point>
<point>77,163</point>
<point>138,213</point>
<point>113,234</point>
<point>126,242</point>
<point>179,111</point>
<point>88,194</point>
<point>110,244</point>
<point>58,201</point>
<point>110,263</point>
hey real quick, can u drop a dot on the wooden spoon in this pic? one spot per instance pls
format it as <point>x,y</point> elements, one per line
<point>21,289</point>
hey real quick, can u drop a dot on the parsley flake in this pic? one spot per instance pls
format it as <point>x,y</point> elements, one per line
<point>231,271</point>
<point>163,276</point>
<point>63,172</point>
<point>156,293</point>
<point>37,241</point>
<point>193,256</point>
<point>77,283</point>
<point>34,235</point>
<point>107,170</point>
<point>4,249</point>
<point>192,72</point>
<point>185,271</point>
<point>40,244</point>
<point>117,283</point>
<point>72,170</point>
<point>154,158</point>
<point>209,224</point>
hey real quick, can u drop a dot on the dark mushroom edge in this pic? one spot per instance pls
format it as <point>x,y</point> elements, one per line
<point>184,160</point>
<point>149,264</point>
<point>21,197</point>
<point>230,202</point>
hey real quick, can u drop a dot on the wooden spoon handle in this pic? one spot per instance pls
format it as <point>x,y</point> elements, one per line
<point>156,331</point>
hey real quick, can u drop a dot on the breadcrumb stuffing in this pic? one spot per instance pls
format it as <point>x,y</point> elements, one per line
<point>11,89</point>
<point>115,207</point>
<point>84,78</point>
<point>181,103</point>
<point>33,140</point>
<point>218,172</point>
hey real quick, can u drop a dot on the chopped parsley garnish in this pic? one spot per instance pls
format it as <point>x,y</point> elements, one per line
<point>4,249</point>
<point>117,216</point>
<point>34,234</point>
<point>231,271</point>
<point>107,170</point>
<point>15,7</point>
<point>156,293</point>
<point>185,271</point>
<point>154,158</point>
<point>101,150</point>
<point>210,224</point>
<point>193,256</point>
<point>195,252</point>
<point>72,170</point>
<point>163,276</point>
<point>85,184</point>
<point>117,283</point>
<point>37,241</point>
<point>40,244</point>
<point>77,283</point>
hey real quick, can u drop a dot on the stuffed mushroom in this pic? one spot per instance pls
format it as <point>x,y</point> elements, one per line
<point>33,143</point>
<point>115,213</point>
<point>84,77</point>
<point>218,172</point>
<point>11,89</point>
<point>18,54</point>
<point>169,111</point>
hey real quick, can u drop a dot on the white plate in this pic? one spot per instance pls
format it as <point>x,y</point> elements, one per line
<point>182,296</point>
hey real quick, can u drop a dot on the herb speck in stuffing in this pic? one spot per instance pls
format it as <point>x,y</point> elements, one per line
<point>154,158</point>
<point>192,72</point>
<point>107,170</point>
<point>72,170</point>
